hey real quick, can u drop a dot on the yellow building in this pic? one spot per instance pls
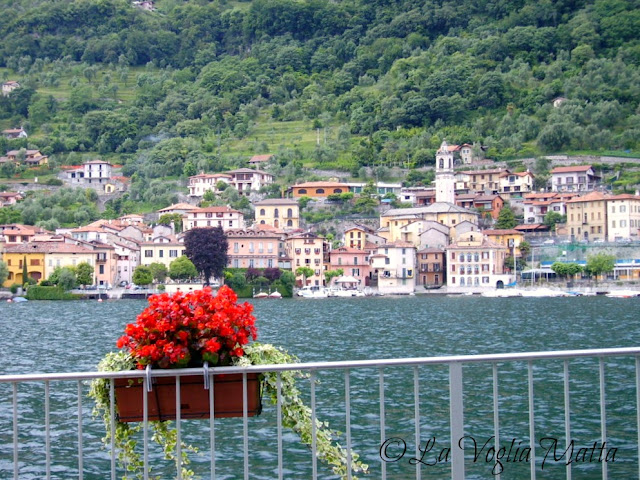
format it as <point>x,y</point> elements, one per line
<point>15,256</point>
<point>587,217</point>
<point>307,250</point>
<point>43,258</point>
<point>507,238</point>
<point>278,213</point>
<point>444,213</point>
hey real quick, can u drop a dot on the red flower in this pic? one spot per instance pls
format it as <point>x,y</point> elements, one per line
<point>181,330</point>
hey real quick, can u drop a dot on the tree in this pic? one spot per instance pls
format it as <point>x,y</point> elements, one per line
<point>331,274</point>
<point>25,272</point>
<point>182,269</point>
<point>563,269</point>
<point>142,275</point>
<point>158,271</point>
<point>551,218</point>
<point>207,249</point>
<point>306,272</point>
<point>64,277</point>
<point>506,219</point>
<point>84,274</point>
<point>4,272</point>
<point>600,263</point>
<point>168,218</point>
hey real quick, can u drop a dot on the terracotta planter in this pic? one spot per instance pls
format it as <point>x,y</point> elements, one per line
<point>194,398</point>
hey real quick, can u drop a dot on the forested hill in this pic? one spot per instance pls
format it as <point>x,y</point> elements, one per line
<point>179,89</point>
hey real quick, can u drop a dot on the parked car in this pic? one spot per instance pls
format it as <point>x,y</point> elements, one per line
<point>123,283</point>
<point>549,241</point>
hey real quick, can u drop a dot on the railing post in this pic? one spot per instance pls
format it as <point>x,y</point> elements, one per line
<point>457,421</point>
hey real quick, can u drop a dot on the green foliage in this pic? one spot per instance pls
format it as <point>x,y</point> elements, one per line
<point>506,218</point>
<point>4,272</point>
<point>600,263</point>
<point>552,218</point>
<point>158,271</point>
<point>563,269</point>
<point>14,288</point>
<point>84,274</point>
<point>142,275</point>
<point>331,274</point>
<point>182,269</point>
<point>38,292</point>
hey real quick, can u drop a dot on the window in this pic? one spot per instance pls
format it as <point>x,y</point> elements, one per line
<point>462,281</point>
<point>461,258</point>
<point>101,269</point>
<point>302,190</point>
<point>613,209</point>
<point>339,261</point>
<point>355,260</point>
<point>250,247</point>
<point>337,190</point>
<point>173,253</point>
<point>276,213</point>
<point>623,209</point>
<point>235,247</point>
<point>148,253</point>
<point>289,213</point>
<point>319,190</point>
<point>387,261</point>
<point>161,253</point>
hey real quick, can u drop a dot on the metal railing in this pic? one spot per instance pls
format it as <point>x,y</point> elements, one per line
<point>456,461</point>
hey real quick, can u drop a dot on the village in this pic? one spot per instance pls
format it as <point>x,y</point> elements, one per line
<point>445,236</point>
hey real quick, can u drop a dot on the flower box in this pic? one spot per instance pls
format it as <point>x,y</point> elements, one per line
<point>194,398</point>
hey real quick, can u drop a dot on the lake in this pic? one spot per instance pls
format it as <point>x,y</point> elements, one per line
<point>72,336</point>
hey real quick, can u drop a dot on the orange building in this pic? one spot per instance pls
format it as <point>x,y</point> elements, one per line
<point>318,189</point>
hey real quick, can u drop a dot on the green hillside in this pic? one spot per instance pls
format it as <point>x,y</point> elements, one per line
<point>204,85</point>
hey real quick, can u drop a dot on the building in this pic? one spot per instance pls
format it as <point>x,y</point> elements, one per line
<point>13,133</point>
<point>575,178</point>
<point>205,182</point>
<point>177,208</point>
<point>354,262</point>
<point>587,217</point>
<point>474,261</point>
<point>42,258</point>
<point>93,172</point>
<point>9,86</point>
<point>278,213</point>
<point>623,217</point>
<point>445,180</point>
<point>485,204</point>
<point>31,158</point>
<point>320,189</point>
<point>510,238</point>
<point>417,196</point>
<point>308,250</point>
<point>360,236</point>
<point>514,185</point>
<point>382,188</point>
<point>393,268</point>
<point>449,214</point>
<point>162,249</point>
<point>258,160</point>
<point>246,180</point>
<point>480,181</point>
<point>9,198</point>
<point>15,233</point>
<point>254,248</point>
<point>224,217</point>
<point>431,267</point>
<point>537,205</point>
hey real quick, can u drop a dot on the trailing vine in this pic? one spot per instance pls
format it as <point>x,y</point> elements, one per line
<point>295,415</point>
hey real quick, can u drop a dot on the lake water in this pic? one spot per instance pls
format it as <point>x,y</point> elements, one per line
<point>73,336</point>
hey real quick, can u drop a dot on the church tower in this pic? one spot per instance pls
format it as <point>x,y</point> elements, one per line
<point>445,181</point>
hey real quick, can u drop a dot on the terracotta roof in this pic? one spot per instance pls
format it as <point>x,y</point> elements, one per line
<point>277,201</point>
<point>97,162</point>
<point>431,250</point>
<point>47,247</point>
<point>248,170</point>
<point>321,184</point>
<point>261,158</point>
<point>589,197</point>
<point>624,196</point>
<point>531,227</point>
<point>214,210</point>
<point>178,206</point>
<point>481,172</point>
<point>505,231</point>
<point>572,168</point>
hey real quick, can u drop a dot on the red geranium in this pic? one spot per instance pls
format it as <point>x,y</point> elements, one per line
<point>186,329</point>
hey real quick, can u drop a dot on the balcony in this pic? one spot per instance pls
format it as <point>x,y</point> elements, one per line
<point>397,413</point>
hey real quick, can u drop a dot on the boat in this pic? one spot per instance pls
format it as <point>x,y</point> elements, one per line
<point>313,291</point>
<point>544,292</point>
<point>502,292</point>
<point>19,299</point>
<point>261,295</point>
<point>623,294</point>
<point>275,294</point>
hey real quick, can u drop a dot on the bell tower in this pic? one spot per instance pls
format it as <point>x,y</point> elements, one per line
<point>445,181</point>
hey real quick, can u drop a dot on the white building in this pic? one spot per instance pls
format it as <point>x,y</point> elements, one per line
<point>575,178</point>
<point>393,265</point>
<point>623,217</point>
<point>474,261</point>
<point>224,217</point>
<point>204,182</point>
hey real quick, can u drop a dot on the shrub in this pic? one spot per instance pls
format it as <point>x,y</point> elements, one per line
<point>36,292</point>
